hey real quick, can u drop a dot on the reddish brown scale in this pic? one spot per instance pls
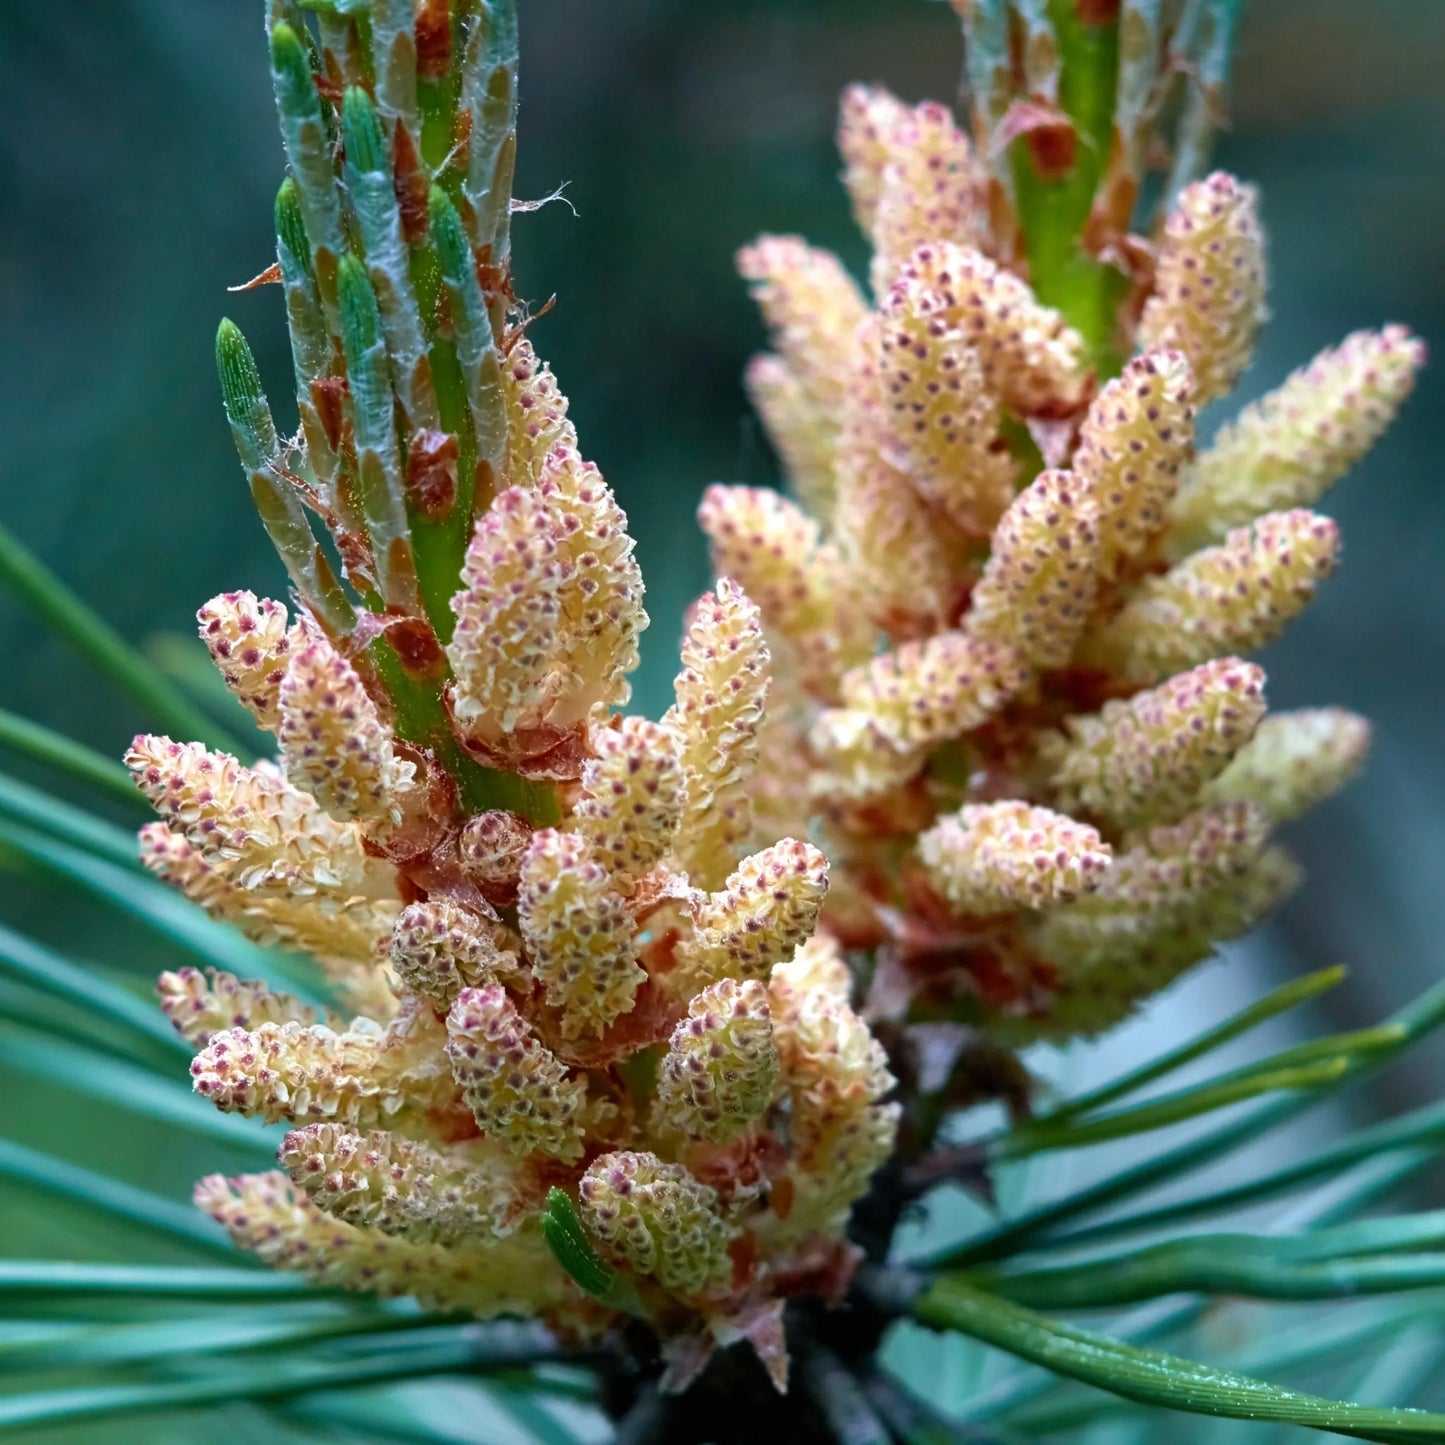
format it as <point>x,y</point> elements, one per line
<point>1053,146</point>
<point>547,753</point>
<point>824,1267</point>
<point>738,1168</point>
<point>743,1251</point>
<point>431,474</point>
<point>416,646</point>
<point>410,185</point>
<point>453,1126</point>
<point>651,1019</point>
<point>433,39</point>
<point>327,396</point>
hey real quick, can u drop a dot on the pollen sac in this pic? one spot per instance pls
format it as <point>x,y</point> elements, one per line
<point>844,1151</point>
<point>931,691</point>
<point>400,1186</point>
<point>777,554</point>
<point>943,417</point>
<point>1154,886</point>
<point>991,857</point>
<point>440,947</point>
<point>551,605</point>
<point>520,1094</point>
<point>720,1067</point>
<point>632,797</point>
<point>1042,574</point>
<point>868,118</point>
<point>903,556</point>
<point>345,937</point>
<point>249,819</point>
<point>834,1070</point>
<point>1232,598</point>
<point>932,188</point>
<point>1147,759</point>
<point>858,757</point>
<point>1287,449</point>
<point>364,1076</point>
<point>1163,907</point>
<point>508,614</point>
<point>813,310</point>
<point>804,436</point>
<point>492,846</point>
<point>818,964</point>
<point>578,933</point>
<point>1209,283</point>
<point>202,1004</point>
<point>828,1054</point>
<point>721,693</point>
<point>264,1213</point>
<point>1137,434</point>
<point>1031,358</point>
<point>1295,760</point>
<point>249,639</point>
<point>536,414</point>
<point>333,741</point>
<point>766,909</point>
<point>254,850</point>
<point>656,1219</point>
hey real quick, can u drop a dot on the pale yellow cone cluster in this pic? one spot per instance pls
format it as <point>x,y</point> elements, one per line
<point>333,742</point>
<point>1051,779</point>
<point>1209,284</point>
<point>550,609</point>
<point>202,1004</point>
<point>718,720</point>
<point>778,555</point>
<point>268,1215</point>
<point>834,1073</point>
<point>911,175</point>
<point>250,639</point>
<point>578,997</point>
<point>1288,448</point>
<point>384,1181</point>
<point>721,1064</point>
<point>657,1219</point>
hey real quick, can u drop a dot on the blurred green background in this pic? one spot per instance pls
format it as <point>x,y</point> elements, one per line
<point>138,161</point>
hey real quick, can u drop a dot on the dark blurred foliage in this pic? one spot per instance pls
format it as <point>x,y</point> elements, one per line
<point>138,160</point>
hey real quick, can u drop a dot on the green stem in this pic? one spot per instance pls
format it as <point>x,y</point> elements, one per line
<point>421,718</point>
<point>1054,205</point>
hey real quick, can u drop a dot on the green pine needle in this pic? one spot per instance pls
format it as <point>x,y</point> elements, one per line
<point>60,611</point>
<point>1151,1377</point>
